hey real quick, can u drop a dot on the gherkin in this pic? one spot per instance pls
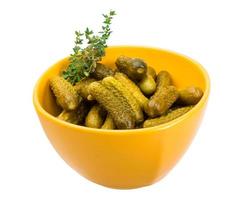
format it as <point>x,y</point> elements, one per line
<point>171,115</point>
<point>101,71</point>
<point>108,123</point>
<point>113,102</point>
<point>76,116</point>
<point>147,85</point>
<point>113,84</point>
<point>134,68</point>
<point>189,96</point>
<point>151,71</point>
<point>82,87</point>
<point>163,79</point>
<point>133,88</point>
<point>164,96</point>
<point>95,117</point>
<point>66,95</point>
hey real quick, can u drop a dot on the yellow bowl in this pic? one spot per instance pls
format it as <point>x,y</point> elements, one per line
<point>125,158</point>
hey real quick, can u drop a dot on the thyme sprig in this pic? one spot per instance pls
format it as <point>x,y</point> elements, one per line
<point>85,56</point>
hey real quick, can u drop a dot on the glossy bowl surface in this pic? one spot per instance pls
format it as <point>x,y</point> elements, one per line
<point>125,158</point>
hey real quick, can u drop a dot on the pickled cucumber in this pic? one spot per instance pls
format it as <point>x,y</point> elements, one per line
<point>133,88</point>
<point>113,103</point>
<point>108,123</point>
<point>95,117</point>
<point>82,87</point>
<point>189,96</point>
<point>171,115</point>
<point>163,79</point>
<point>147,85</point>
<point>76,116</point>
<point>134,68</point>
<point>164,96</point>
<point>113,84</point>
<point>66,95</point>
<point>101,71</point>
<point>162,101</point>
<point>151,71</point>
<point>132,96</point>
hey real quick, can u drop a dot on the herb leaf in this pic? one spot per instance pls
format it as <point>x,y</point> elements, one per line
<point>84,58</point>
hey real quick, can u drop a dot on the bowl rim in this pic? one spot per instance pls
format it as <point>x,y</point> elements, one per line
<point>160,127</point>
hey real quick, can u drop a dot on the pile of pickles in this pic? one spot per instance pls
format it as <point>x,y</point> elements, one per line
<point>131,96</point>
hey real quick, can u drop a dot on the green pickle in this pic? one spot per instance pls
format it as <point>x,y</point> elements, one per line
<point>66,95</point>
<point>164,79</point>
<point>101,71</point>
<point>151,71</point>
<point>171,115</point>
<point>147,85</point>
<point>113,84</point>
<point>133,88</point>
<point>95,117</point>
<point>76,116</point>
<point>164,96</point>
<point>82,87</point>
<point>113,102</point>
<point>189,96</point>
<point>134,68</point>
<point>132,96</point>
<point>108,123</point>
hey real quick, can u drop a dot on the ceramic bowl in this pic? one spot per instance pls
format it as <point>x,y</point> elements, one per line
<point>125,158</point>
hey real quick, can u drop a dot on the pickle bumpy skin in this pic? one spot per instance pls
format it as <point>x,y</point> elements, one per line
<point>133,88</point>
<point>189,96</point>
<point>134,68</point>
<point>108,123</point>
<point>101,71</point>
<point>82,87</point>
<point>171,115</point>
<point>113,103</point>
<point>164,96</point>
<point>76,116</point>
<point>66,95</point>
<point>95,117</point>
<point>113,84</point>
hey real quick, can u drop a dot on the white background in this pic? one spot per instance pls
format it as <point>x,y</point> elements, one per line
<point>35,34</point>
